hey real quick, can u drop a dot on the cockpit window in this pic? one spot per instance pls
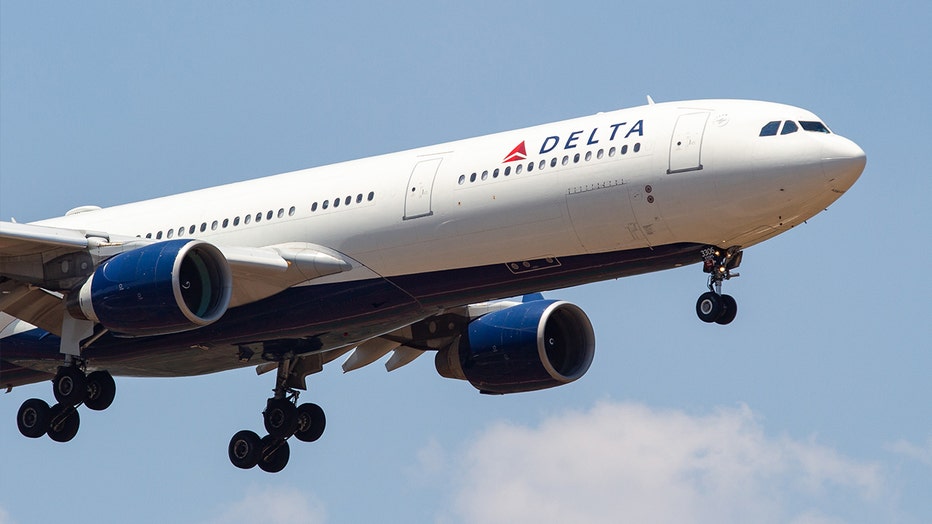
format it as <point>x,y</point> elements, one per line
<point>770,129</point>
<point>789,127</point>
<point>817,127</point>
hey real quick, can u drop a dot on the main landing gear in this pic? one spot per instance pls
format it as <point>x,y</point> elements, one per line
<point>284,419</point>
<point>712,305</point>
<point>72,387</point>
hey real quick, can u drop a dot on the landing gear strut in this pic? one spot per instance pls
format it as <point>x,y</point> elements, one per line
<point>283,418</point>
<point>712,305</point>
<point>71,388</point>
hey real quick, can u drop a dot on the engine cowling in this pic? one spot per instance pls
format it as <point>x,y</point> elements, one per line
<point>527,347</point>
<point>167,287</point>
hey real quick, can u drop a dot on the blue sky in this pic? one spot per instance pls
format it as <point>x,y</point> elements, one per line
<point>813,407</point>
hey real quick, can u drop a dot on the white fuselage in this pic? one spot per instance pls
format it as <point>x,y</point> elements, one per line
<point>464,214</point>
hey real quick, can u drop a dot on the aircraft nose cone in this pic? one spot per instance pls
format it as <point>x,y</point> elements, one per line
<point>842,163</point>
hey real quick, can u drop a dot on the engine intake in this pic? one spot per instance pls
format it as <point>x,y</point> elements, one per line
<point>531,346</point>
<point>157,289</point>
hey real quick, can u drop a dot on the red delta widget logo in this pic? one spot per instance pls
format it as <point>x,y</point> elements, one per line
<point>573,139</point>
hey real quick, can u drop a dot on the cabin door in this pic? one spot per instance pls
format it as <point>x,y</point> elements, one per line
<point>420,187</point>
<point>686,143</point>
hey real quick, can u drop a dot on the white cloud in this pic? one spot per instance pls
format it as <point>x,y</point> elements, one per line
<point>625,462</point>
<point>5,517</point>
<point>922,454</point>
<point>274,505</point>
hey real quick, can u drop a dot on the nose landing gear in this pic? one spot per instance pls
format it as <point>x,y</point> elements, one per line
<point>713,306</point>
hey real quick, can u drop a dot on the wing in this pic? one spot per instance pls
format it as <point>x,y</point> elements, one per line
<point>433,333</point>
<point>39,263</point>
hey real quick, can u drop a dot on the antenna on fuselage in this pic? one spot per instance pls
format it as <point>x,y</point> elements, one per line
<point>650,101</point>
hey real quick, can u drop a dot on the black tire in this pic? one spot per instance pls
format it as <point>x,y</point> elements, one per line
<point>101,389</point>
<point>245,449</point>
<point>280,417</point>
<point>709,307</point>
<point>70,386</point>
<point>275,454</point>
<point>311,422</point>
<point>33,418</point>
<point>730,310</point>
<point>64,423</point>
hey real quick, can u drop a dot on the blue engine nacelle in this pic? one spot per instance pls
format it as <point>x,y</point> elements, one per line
<point>161,288</point>
<point>530,346</point>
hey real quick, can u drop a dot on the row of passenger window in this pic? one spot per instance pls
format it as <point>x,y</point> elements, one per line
<point>789,126</point>
<point>576,158</point>
<point>346,201</point>
<point>258,217</point>
<point>225,223</point>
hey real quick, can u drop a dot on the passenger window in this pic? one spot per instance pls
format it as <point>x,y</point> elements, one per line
<point>247,219</point>
<point>336,202</point>
<point>576,158</point>
<point>543,163</point>
<point>191,231</point>
<point>281,213</point>
<point>566,160</point>
<point>462,179</point>
<point>485,175</point>
<point>789,127</point>
<point>770,129</point>
<point>235,221</point>
<point>611,151</point>
<point>291,211</point>
<point>472,177</point>
<point>600,154</point>
<point>371,196</point>
<point>347,201</point>
<point>226,223</point>
<point>637,147</point>
<point>359,198</point>
<point>203,226</point>
<point>624,149</point>
<point>326,204</point>
<point>495,173</point>
<point>553,162</point>
<point>214,226</point>
<point>507,170</point>
<point>588,156</point>
<point>258,217</point>
<point>518,169</point>
<point>158,236</point>
<point>268,216</point>
<point>530,167</point>
<point>818,127</point>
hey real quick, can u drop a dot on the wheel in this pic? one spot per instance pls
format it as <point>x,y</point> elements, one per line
<point>33,418</point>
<point>245,449</point>
<point>709,306</point>
<point>101,389</point>
<point>64,422</point>
<point>70,386</point>
<point>275,454</point>
<point>311,422</point>
<point>280,417</point>
<point>730,309</point>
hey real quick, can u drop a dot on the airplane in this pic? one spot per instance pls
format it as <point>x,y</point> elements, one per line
<point>405,253</point>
